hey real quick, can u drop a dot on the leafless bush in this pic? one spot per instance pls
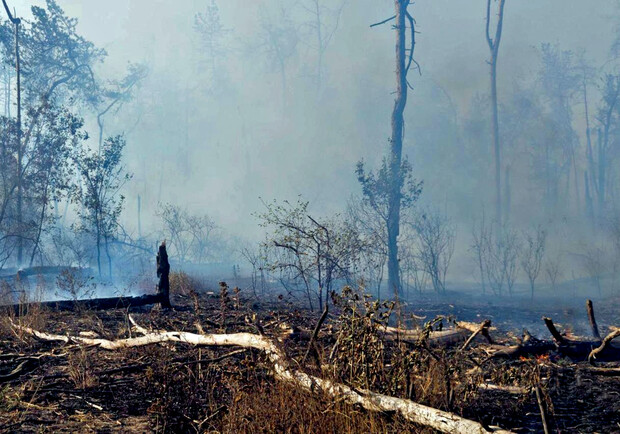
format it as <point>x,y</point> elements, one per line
<point>73,285</point>
<point>481,234</point>
<point>532,254</point>
<point>413,272</point>
<point>71,248</point>
<point>191,237</point>
<point>496,251</point>
<point>257,258</point>
<point>553,270</point>
<point>595,260</point>
<point>434,235</point>
<point>316,251</point>
<point>373,255</point>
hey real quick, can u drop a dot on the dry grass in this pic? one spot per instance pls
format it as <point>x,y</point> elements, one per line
<point>166,389</point>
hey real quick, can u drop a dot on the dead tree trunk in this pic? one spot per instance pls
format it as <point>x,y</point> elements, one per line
<point>396,146</point>
<point>20,158</point>
<point>494,48</point>
<point>163,270</point>
<point>82,305</point>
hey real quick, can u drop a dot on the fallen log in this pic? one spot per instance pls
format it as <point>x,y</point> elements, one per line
<point>161,297</point>
<point>448,337</point>
<point>584,350</point>
<point>437,419</point>
<point>88,304</point>
<point>529,346</point>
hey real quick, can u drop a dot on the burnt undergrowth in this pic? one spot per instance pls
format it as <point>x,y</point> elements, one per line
<point>52,387</point>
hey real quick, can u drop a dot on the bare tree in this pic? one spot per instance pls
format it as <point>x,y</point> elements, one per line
<point>553,270</point>
<point>318,251</point>
<point>480,248</point>
<point>278,40</point>
<point>372,231</point>
<point>190,236</point>
<point>435,236</point>
<point>213,40</point>
<point>532,254</point>
<point>258,260</point>
<point>507,247</point>
<point>493,43</point>
<point>324,23</point>
<point>497,252</point>
<point>595,264</point>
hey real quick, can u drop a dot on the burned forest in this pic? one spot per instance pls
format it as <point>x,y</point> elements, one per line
<point>310,216</point>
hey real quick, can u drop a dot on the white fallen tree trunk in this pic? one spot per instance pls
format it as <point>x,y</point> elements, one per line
<point>437,419</point>
<point>447,337</point>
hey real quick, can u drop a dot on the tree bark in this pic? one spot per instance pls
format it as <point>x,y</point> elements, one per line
<point>91,304</point>
<point>396,150</point>
<point>494,49</point>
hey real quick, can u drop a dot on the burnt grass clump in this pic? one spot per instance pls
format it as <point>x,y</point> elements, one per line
<point>174,387</point>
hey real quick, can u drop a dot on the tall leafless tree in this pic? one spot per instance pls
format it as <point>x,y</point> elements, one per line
<point>493,43</point>
<point>323,23</point>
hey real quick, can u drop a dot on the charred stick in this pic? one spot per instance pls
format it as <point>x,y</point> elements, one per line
<point>543,409</point>
<point>315,334</point>
<point>603,345</point>
<point>484,326</point>
<point>554,332</point>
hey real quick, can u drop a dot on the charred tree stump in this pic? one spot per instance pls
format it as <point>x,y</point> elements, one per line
<point>163,271</point>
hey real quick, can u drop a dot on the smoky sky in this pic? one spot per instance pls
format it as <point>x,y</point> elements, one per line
<point>218,151</point>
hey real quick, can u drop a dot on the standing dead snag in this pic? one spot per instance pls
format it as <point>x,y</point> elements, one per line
<point>592,320</point>
<point>494,49</point>
<point>163,270</point>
